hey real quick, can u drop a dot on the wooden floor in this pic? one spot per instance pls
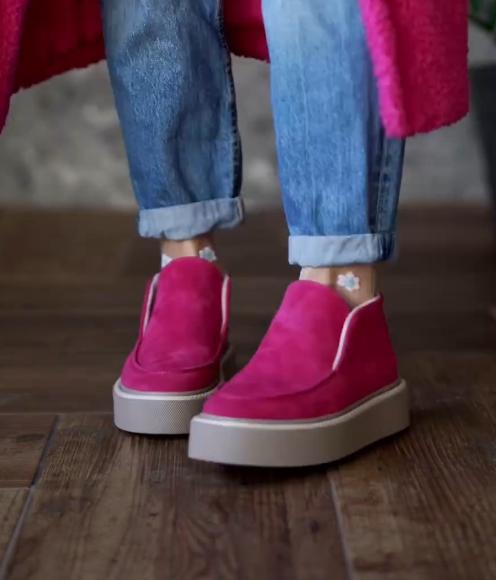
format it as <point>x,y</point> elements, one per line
<point>79,500</point>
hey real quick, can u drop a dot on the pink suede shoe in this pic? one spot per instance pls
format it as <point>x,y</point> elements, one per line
<point>323,384</point>
<point>182,351</point>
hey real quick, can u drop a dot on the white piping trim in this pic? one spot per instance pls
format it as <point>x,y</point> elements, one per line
<point>151,296</point>
<point>346,326</point>
<point>391,392</point>
<point>225,304</point>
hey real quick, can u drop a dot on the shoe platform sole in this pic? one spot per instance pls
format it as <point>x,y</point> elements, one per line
<point>297,444</point>
<point>155,413</point>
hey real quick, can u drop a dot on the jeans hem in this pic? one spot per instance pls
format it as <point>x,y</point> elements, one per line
<point>324,251</point>
<point>181,222</point>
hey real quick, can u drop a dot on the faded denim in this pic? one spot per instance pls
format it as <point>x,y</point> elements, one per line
<point>171,74</point>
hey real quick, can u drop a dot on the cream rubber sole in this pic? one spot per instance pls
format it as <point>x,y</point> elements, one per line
<point>163,413</point>
<point>295,444</point>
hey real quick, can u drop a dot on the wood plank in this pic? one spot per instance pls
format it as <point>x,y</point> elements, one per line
<point>82,243</point>
<point>56,362</point>
<point>83,296</point>
<point>423,505</point>
<point>104,244</point>
<point>56,384</point>
<point>110,505</point>
<point>309,502</point>
<point>115,506</point>
<point>11,505</point>
<point>22,442</point>
<point>456,332</point>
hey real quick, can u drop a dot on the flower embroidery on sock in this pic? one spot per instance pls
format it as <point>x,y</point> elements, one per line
<point>349,282</point>
<point>208,254</point>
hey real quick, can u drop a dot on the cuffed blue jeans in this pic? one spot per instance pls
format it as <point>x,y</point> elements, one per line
<point>340,175</point>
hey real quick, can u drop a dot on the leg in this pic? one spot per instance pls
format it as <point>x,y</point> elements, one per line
<point>171,74</point>
<point>340,175</point>
<point>324,381</point>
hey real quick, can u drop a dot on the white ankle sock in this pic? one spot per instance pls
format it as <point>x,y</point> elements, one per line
<point>206,253</point>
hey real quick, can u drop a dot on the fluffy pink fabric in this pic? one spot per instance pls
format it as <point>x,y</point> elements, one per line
<point>11,19</point>
<point>245,30</point>
<point>420,50</point>
<point>42,38</point>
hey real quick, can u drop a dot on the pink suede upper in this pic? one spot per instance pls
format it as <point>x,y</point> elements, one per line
<point>419,50</point>
<point>291,376</point>
<point>183,330</point>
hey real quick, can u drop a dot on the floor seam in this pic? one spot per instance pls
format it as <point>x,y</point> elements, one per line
<point>44,453</point>
<point>341,528</point>
<point>14,539</point>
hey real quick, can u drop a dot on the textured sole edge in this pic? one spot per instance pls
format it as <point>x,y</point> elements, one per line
<point>298,444</point>
<point>162,413</point>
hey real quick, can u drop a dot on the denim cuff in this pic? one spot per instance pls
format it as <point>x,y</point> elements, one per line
<point>322,251</point>
<point>181,222</point>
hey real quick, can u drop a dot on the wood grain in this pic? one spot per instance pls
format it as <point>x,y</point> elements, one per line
<point>423,505</point>
<point>113,506</point>
<point>110,506</point>
<point>11,506</point>
<point>22,441</point>
<point>309,500</point>
<point>61,245</point>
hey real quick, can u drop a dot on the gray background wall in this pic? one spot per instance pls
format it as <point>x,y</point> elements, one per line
<point>63,146</point>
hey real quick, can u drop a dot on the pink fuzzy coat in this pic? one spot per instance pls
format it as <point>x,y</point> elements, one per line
<point>418,47</point>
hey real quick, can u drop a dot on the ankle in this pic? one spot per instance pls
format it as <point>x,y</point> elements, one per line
<point>200,246</point>
<point>356,284</point>
<point>185,248</point>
